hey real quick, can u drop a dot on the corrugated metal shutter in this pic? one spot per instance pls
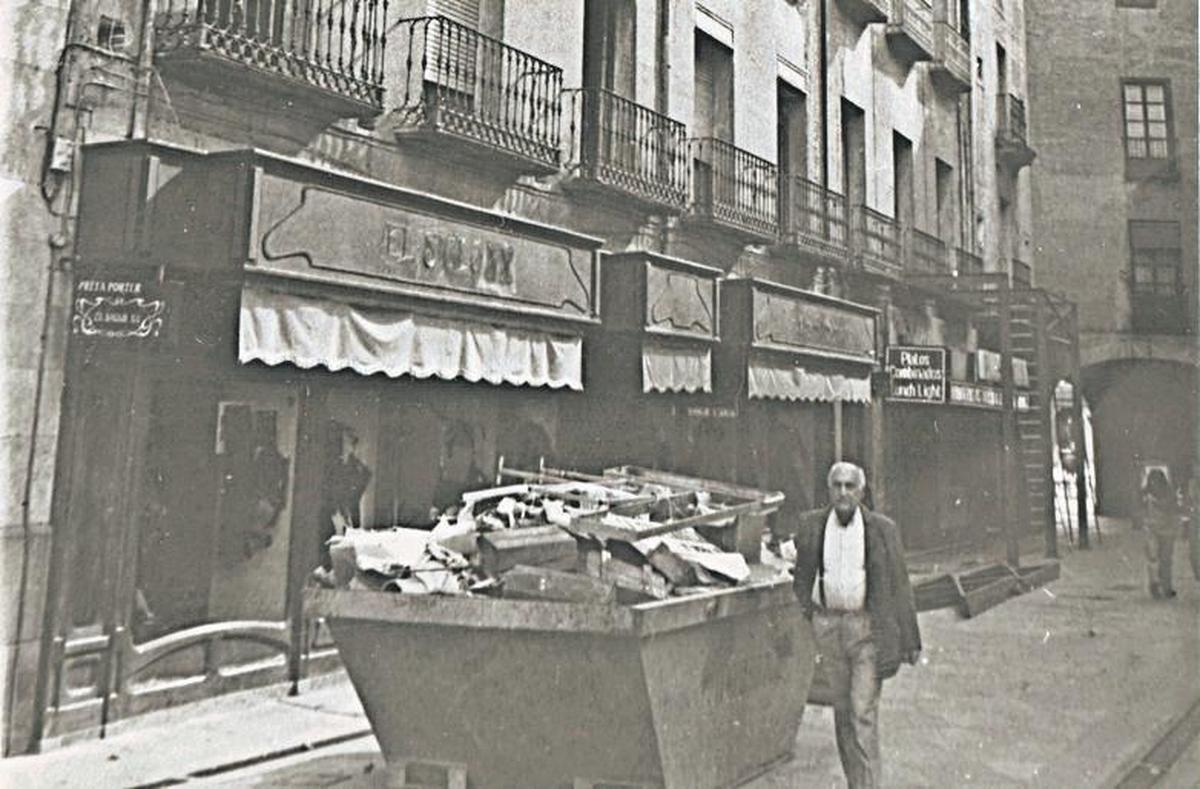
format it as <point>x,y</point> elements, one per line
<point>465,12</point>
<point>453,52</point>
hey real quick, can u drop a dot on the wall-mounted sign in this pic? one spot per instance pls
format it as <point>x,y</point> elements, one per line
<point>916,374</point>
<point>711,412</point>
<point>976,395</point>
<point>790,322</point>
<point>1023,401</point>
<point>456,252</point>
<point>680,302</point>
<point>115,306</point>
<point>988,365</point>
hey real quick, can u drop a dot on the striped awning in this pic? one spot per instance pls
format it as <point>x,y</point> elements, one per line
<point>781,380</point>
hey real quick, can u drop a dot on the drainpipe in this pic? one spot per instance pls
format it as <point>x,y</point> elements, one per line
<point>823,70</point>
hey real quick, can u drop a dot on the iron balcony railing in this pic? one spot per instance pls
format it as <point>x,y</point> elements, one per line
<point>876,240</point>
<point>967,263</point>
<point>952,52</point>
<point>914,19</point>
<point>454,80</point>
<point>1010,118</point>
<point>926,254</point>
<point>733,187</point>
<point>335,46</point>
<point>619,143</point>
<point>814,215</point>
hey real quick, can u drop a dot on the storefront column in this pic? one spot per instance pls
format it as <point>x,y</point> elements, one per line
<point>876,474</point>
<point>1012,548</point>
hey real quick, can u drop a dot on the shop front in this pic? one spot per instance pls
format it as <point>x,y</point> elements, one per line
<point>649,371</point>
<point>945,445</point>
<point>263,353</point>
<point>796,366</point>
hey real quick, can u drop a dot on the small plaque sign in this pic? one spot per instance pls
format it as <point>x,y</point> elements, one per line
<point>976,395</point>
<point>118,306</point>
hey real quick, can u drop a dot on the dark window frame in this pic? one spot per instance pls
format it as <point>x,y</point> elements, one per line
<point>1140,164</point>
<point>1137,3</point>
<point>1157,289</point>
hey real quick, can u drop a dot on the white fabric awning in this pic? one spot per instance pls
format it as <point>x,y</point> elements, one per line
<point>674,368</point>
<point>770,380</point>
<point>313,332</point>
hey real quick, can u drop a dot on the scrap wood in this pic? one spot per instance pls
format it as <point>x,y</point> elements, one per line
<point>543,546</point>
<point>541,583</point>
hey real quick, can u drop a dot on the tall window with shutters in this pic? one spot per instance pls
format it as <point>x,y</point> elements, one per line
<point>1147,113</point>
<point>1156,281</point>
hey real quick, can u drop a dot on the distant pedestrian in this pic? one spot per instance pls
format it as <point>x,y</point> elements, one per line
<point>852,581</point>
<point>1161,516</point>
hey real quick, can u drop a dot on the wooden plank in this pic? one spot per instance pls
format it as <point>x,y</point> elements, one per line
<point>978,600</point>
<point>540,583</point>
<point>540,546</point>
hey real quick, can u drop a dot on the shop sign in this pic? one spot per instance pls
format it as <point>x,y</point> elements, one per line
<point>976,395</point>
<point>788,321</point>
<point>988,365</point>
<point>680,302</point>
<point>1023,401</point>
<point>118,306</point>
<point>916,374</point>
<point>711,412</point>
<point>464,253</point>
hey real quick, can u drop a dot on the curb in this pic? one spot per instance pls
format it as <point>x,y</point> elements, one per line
<point>1144,769</point>
<point>269,756</point>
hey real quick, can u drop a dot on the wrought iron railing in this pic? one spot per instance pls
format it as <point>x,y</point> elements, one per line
<point>814,214</point>
<point>457,81</point>
<point>734,187</point>
<point>967,263</point>
<point>333,45</point>
<point>622,144</point>
<point>1010,112</point>
<point>876,239</point>
<point>926,253</point>
<point>915,18</point>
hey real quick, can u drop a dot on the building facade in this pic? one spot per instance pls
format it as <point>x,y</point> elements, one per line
<point>300,265</point>
<point>1113,113</point>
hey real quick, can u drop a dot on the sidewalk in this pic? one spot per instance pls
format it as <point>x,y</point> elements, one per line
<point>1065,686</point>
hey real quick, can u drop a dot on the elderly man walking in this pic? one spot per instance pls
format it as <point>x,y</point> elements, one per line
<point>852,581</point>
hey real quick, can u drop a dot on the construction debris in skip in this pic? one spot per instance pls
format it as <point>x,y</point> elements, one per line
<point>630,535</point>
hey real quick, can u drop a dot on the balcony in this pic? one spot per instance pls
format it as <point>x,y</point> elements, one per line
<point>967,264</point>
<point>498,104</point>
<point>734,189</point>
<point>1012,146</point>
<point>324,56</point>
<point>925,254</point>
<point>1022,274</point>
<point>814,218</point>
<point>625,147</point>
<point>865,11</point>
<point>910,30</point>
<point>951,72</point>
<point>876,241</point>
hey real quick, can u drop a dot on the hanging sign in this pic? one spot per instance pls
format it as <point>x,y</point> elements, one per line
<point>125,305</point>
<point>916,374</point>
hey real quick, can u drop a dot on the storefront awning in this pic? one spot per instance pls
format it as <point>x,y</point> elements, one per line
<point>676,368</point>
<point>772,380</point>
<point>314,332</point>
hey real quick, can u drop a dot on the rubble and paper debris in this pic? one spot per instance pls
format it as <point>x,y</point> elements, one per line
<point>628,536</point>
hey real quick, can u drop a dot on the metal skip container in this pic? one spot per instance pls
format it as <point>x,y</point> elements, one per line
<point>704,690</point>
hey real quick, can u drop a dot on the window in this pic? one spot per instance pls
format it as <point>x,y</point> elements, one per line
<point>1155,282</point>
<point>713,89</point>
<point>1147,120</point>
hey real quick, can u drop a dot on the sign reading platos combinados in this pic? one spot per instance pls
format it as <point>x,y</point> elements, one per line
<point>916,374</point>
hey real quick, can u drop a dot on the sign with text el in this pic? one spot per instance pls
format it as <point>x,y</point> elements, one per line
<point>916,374</point>
<point>118,306</point>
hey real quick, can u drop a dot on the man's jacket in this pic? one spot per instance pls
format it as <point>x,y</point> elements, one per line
<point>889,595</point>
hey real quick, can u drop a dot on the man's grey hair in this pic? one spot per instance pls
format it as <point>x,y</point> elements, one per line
<point>853,468</point>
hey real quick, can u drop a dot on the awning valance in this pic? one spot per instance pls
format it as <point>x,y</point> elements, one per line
<point>779,380</point>
<point>309,332</point>
<point>675,368</point>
